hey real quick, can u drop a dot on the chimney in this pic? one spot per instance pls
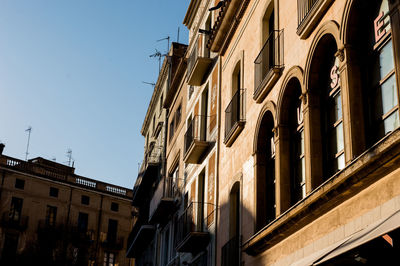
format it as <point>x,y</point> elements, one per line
<point>2,148</point>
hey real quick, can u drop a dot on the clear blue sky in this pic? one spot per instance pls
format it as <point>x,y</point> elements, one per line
<point>73,70</point>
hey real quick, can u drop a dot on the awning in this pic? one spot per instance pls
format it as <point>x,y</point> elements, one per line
<point>359,238</point>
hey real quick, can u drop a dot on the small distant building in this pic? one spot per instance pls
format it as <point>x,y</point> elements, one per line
<point>51,216</point>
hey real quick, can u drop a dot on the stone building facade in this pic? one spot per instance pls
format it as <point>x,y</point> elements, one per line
<point>51,216</point>
<point>294,156</point>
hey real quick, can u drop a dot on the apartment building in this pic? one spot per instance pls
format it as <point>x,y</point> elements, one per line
<point>157,191</point>
<point>289,143</point>
<point>308,166</point>
<point>52,216</point>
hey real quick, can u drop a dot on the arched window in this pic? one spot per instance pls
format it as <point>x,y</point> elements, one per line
<point>265,167</point>
<point>370,34</point>
<point>291,145</point>
<point>296,139</point>
<point>325,104</point>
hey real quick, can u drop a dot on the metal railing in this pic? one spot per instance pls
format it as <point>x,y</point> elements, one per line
<point>192,220</point>
<point>18,222</point>
<point>113,243</point>
<point>269,58</point>
<point>168,187</point>
<point>235,111</point>
<point>198,130</point>
<point>197,51</point>
<point>231,252</point>
<point>304,8</point>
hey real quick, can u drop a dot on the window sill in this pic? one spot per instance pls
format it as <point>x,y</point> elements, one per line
<point>234,133</point>
<point>267,84</point>
<point>363,171</point>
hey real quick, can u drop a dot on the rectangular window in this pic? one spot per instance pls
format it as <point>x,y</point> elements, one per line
<point>114,206</point>
<point>109,259</point>
<point>15,209</point>
<point>178,115</point>
<point>53,192</point>
<point>51,214</point>
<point>112,231</point>
<point>171,129</point>
<point>19,183</point>
<point>85,200</point>
<point>83,219</point>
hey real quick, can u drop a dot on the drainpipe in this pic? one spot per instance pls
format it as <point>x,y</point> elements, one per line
<point>218,155</point>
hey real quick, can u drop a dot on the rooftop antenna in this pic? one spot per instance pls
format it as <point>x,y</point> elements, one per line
<point>149,83</point>
<point>29,130</point>
<point>163,39</point>
<point>177,39</point>
<point>69,156</point>
<point>159,55</point>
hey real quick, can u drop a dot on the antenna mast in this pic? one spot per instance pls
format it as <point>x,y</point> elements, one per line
<point>69,155</point>
<point>29,130</point>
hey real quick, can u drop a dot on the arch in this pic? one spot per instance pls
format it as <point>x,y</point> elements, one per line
<point>269,106</point>
<point>328,28</point>
<point>267,10</point>
<point>294,72</point>
<point>345,20</point>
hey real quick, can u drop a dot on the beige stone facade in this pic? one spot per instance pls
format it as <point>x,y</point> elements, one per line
<point>51,216</point>
<point>288,148</point>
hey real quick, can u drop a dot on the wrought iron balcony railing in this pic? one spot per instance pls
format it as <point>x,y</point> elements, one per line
<point>192,234</point>
<point>235,114</point>
<point>198,137</point>
<point>199,61</point>
<point>165,198</point>
<point>304,8</point>
<point>268,64</point>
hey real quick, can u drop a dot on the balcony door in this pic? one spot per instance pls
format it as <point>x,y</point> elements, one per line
<point>204,112</point>
<point>200,200</point>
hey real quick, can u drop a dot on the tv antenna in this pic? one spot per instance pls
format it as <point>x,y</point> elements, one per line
<point>29,130</point>
<point>163,39</point>
<point>149,83</point>
<point>69,156</point>
<point>158,54</point>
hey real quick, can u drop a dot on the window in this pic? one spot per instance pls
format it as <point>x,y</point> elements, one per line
<point>15,209</point>
<point>19,183</point>
<point>53,192</point>
<point>51,214</point>
<point>109,259</point>
<point>112,231</point>
<point>114,206</point>
<point>178,115</point>
<point>265,167</point>
<point>171,129</point>
<point>83,219</point>
<point>333,127</point>
<point>85,200</point>
<point>383,116</point>
<point>297,160</point>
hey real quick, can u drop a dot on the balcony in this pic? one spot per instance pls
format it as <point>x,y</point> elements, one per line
<point>197,139</point>
<point>148,172</point>
<point>309,13</point>
<point>15,222</point>
<point>231,252</point>
<point>192,235</point>
<point>165,199</point>
<point>235,117</point>
<point>140,237</point>
<point>113,243</point>
<point>49,233</point>
<point>199,61</point>
<point>268,65</point>
<point>81,236</point>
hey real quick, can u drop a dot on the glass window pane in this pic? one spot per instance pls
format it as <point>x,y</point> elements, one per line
<point>339,137</point>
<point>340,162</point>
<point>336,109</point>
<point>386,59</point>
<point>389,94</point>
<point>391,122</point>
